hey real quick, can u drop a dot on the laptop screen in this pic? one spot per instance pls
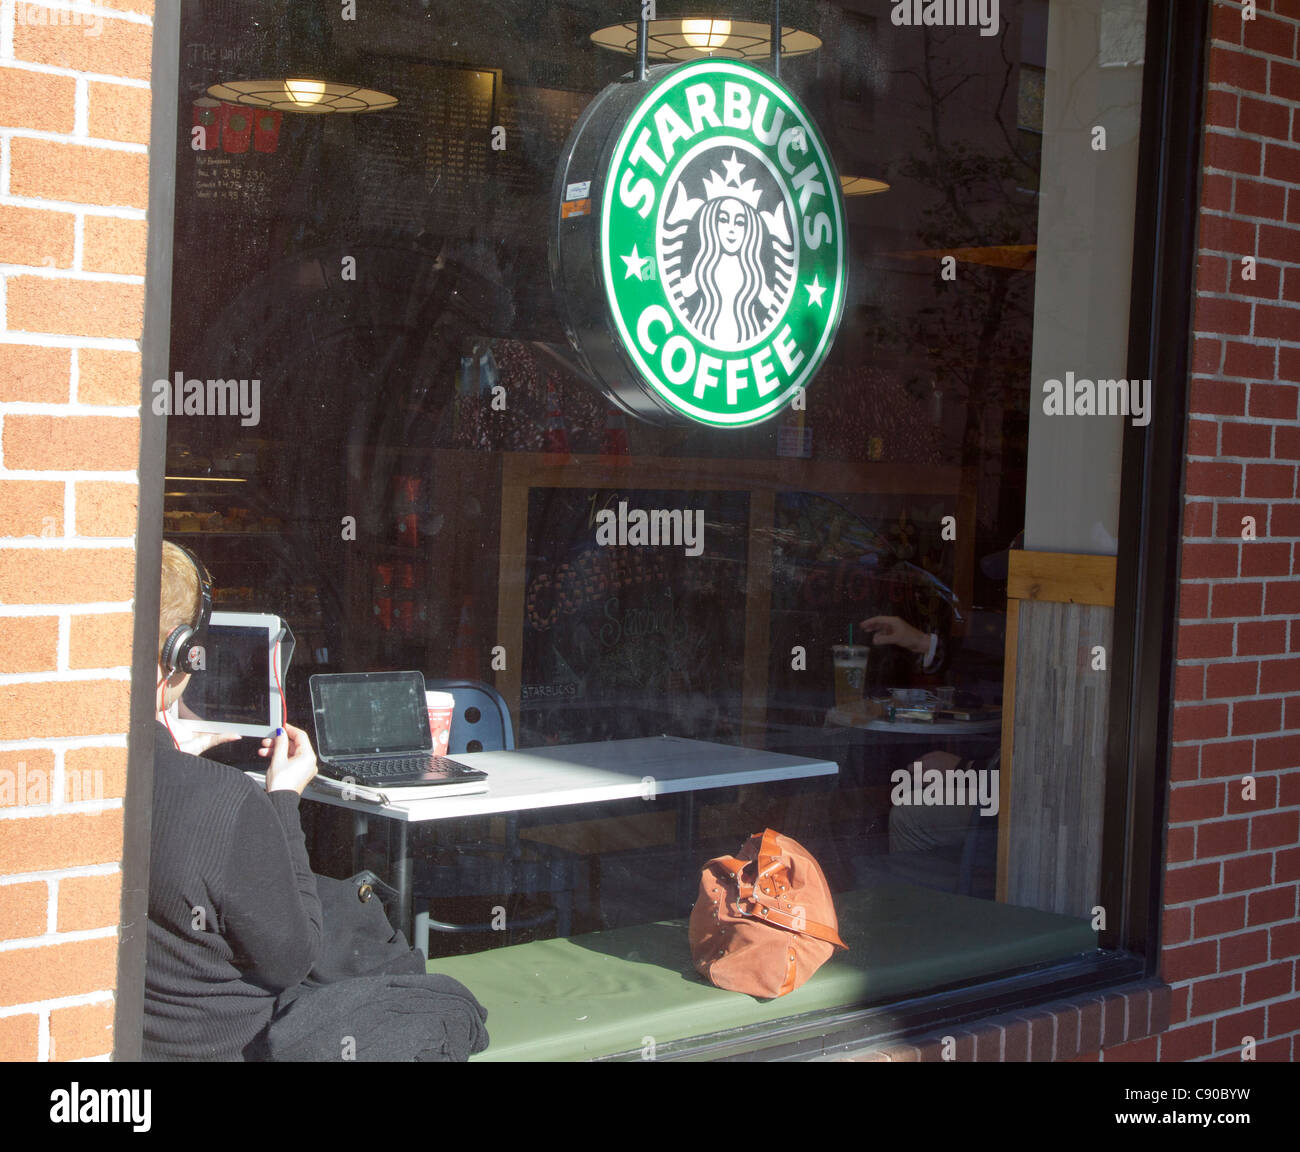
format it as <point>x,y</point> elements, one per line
<point>368,712</point>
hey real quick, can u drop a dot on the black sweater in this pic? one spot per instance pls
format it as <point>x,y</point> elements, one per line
<point>234,918</point>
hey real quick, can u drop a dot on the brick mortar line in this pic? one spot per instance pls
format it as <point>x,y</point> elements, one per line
<point>59,938</point>
<point>63,543</point>
<point>1250,297</point>
<point>32,1007</point>
<point>63,643</point>
<point>1257,53</point>
<point>56,476</point>
<point>1228,936</point>
<point>1231,213</point>
<point>1246,1006</point>
<point>1226,661</point>
<point>16,132</point>
<point>102,608</point>
<point>36,66</point>
<point>1235,972</point>
<point>21,812</point>
<point>70,207</point>
<point>80,675</point>
<point>1220,86</point>
<point>66,676</point>
<point>10,61</point>
<point>78,872</point>
<point>81,107</point>
<point>1233,132</point>
<point>65,340</point>
<point>73,275</point>
<point>64,409</point>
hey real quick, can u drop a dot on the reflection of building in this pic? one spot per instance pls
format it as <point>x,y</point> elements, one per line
<point>928,409</point>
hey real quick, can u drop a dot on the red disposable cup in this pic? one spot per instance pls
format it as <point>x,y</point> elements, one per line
<point>385,572</point>
<point>236,127</point>
<point>442,705</point>
<point>384,610</point>
<point>207,115</point>
<point>266,129</point>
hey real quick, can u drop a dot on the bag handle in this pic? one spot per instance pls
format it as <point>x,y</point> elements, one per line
<point>769,858</point>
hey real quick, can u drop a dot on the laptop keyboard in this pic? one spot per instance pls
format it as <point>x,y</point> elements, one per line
<point>409,765</point>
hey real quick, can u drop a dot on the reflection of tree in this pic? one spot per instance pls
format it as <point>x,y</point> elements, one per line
<point>978,334</point>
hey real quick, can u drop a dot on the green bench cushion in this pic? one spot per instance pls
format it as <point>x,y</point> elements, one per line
<point>603,993</point>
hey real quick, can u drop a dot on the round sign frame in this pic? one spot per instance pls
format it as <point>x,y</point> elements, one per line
<point>697,250</point>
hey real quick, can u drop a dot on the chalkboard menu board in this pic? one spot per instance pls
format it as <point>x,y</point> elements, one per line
<point>630,638</point>
<point>458,154</point>
<point>425,163</point>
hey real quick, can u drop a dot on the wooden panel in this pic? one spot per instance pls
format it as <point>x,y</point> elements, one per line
<point>1008,743</point>
<point>510,586</point>
<point>1061,578</point>
<point>1054,821</point>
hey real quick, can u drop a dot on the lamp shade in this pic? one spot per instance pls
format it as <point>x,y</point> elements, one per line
<point>302,95</point>
<point>690,37</point>
<point>862,186</point>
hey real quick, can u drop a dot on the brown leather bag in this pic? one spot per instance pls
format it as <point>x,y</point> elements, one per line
<point>764,921</point>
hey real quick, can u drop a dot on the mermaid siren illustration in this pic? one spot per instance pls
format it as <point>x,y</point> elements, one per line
<point>742,262</point>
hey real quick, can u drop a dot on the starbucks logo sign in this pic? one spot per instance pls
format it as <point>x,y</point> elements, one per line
<point>717,224</point>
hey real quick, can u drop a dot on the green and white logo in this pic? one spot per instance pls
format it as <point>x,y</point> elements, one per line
<point>722,240</point>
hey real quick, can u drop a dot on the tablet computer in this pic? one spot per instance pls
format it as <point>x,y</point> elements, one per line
<point>237,689</point>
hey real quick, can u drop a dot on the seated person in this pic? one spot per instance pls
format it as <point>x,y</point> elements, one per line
<point>236,924</point>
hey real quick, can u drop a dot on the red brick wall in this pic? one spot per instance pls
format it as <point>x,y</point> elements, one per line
<point>74,125</point>
<point>1231,936</point>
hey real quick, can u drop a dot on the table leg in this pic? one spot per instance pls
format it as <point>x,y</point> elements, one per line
<point>686,819</point>
<point>360,827</point>
<point>400,866</point>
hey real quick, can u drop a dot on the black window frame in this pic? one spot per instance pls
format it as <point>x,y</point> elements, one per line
<point>1145,611</point>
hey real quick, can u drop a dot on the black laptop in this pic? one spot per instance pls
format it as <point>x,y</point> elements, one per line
<point>372,729</point>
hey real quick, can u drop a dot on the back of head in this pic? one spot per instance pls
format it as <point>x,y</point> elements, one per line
<point>178,599</point>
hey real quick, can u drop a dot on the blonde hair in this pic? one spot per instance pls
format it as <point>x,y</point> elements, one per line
<point>178,598</point>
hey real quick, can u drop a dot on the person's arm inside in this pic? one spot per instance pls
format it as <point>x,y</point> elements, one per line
<point>272,915</point>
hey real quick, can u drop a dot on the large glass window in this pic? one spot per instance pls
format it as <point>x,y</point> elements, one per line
<point>424,474</point>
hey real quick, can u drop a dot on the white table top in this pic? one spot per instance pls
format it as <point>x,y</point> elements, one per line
<point>592,773</point>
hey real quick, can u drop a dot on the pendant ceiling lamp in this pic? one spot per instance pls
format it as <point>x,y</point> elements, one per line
<point>302,95</point>
<point>679,31</point>
<point>689,38</point>
<point>295,67</point>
